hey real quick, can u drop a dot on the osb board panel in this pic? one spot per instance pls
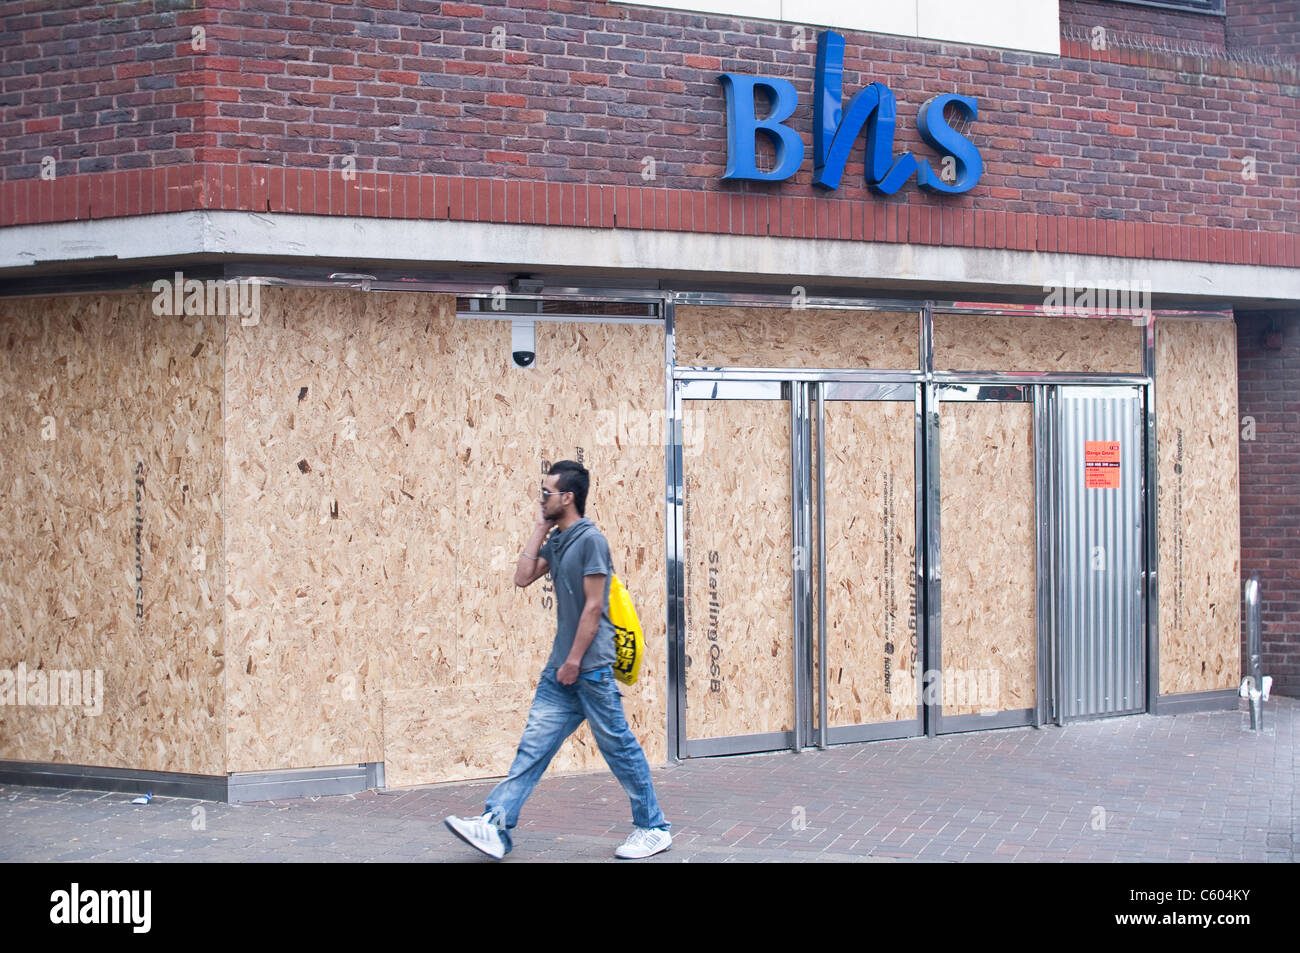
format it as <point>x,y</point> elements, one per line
<point>96,391</point>
<point>980,342</point>
<point>986,485</point>
<point>739,594</point>
<point>451,733</point>
<point>464,732</point>
<point>870,561</point>
<point>777,337</point>
<point>594,394</point>
<point>382,509</point>
<point>1199,515</point>
<point>341,535</point>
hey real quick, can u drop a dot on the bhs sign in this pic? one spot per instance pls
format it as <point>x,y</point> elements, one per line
<point>835,130</point>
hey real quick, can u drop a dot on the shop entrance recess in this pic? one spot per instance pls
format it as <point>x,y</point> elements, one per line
<point>798,570</point>
<point>1037,548</point>
<point>875,551</point>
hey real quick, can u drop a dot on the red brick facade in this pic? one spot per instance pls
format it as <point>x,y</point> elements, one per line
<point>1268,349</point>
<point>1264,27</point>
<point>1128,23</point>
<point>556,127</point>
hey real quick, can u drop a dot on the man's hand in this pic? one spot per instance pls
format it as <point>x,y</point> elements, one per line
<point>531,566</point>
<point>567,673</point>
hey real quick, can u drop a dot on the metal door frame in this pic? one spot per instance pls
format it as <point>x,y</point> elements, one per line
<point>990,388</point>
<point>732,388</point>
<point>807,396</point>
<point>929,556</point>
<point>1043,394</point>
<point>897,391</point>
<point>1045,547</point>
<point>805,391</point>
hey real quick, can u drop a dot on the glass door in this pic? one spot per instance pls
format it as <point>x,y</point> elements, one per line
<point>737,691</point>
<point>986,559</point>
<point>798,536</point>
<point>868,469</point>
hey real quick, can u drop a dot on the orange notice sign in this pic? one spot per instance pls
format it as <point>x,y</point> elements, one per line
<point>1101,464</point>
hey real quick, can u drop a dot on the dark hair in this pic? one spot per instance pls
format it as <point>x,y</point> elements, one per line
<point>573,478</point>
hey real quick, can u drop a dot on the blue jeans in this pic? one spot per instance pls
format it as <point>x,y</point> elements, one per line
<point>557,711</point>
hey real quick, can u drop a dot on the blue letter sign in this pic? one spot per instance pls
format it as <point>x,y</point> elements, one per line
<point>833,137</point>
<point>836,129</point>
<point>942,138</point>
<point>742,125</point>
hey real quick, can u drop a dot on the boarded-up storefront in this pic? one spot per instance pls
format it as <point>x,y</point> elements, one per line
<point>287,541</point>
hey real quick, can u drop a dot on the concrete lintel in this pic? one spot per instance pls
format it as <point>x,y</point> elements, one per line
<point>143,240</point>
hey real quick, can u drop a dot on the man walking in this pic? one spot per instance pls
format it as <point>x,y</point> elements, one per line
<point>578,681</point>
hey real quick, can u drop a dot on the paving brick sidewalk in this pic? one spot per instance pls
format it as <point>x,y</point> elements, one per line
<point>1171,788</point>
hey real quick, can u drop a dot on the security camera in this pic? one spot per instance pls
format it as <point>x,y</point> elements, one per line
<point>523,343</point>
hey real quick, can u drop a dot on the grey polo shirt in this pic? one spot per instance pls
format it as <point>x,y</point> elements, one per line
<point>572,554</point>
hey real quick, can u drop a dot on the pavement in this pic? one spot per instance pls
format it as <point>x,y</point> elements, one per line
<point>1173,788</point>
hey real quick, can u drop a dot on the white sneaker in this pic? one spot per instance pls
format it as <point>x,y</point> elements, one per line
<point>481,832</point>
<point>644,842</point>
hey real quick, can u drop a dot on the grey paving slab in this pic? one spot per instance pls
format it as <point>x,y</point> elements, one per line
<point>1187,788</point>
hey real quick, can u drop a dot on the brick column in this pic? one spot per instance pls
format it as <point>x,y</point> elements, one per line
<point>1268,355</point>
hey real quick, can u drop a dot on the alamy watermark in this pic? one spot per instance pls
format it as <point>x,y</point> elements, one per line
<point>628,426</point>
<point>1116,298</point>
<point>950,687</point>
<point>126,907</point>
<point>62,688</point>
<point>210,297</point>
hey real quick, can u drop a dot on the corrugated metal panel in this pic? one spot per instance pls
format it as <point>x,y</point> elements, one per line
<point>1100,570</point>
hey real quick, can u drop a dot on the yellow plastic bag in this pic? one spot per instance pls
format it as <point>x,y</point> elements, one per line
<point>629,643</point>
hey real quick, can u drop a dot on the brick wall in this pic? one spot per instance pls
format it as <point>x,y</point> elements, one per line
<point>583,92</point>
<point>1271,27</point>
<point>579,97</point>
<point>1127,151</point>
<point>1269,392</point>
<point>96,86</point>
<point>1155,25</point>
